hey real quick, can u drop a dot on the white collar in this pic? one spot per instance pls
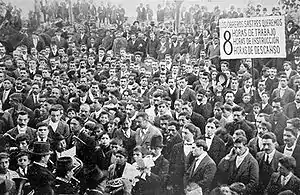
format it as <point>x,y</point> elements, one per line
<point>155,158</point>
<point>201,157</point>
<point>243,155</point>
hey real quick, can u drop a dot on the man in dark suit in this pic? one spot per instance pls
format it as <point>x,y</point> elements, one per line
<point>284,179</point>
<point>292,109</point>
<point>185,93</point>
<point>286,94</point>
<point>240,166</point>
<point>172,91</point>
<point>59,40</point>
<point>278,120</point>
<point>290,147</point>
<point>161,167</point>
<point>172,139</point>
<point>202,171</point>
<point>22,121</point>
<point>180,160</point>
<point>32,100</point>
<point>55,125</point>
<point>268,160</point>
<point>40,177</point>
<point>197,119</point>
<point>215,145</point>
<point>8,83</point>
<point>35,41</point>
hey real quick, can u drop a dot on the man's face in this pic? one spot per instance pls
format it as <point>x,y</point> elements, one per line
<point>182,121</point>
<point>23,161</point>
<point>55,93</point>
<point>210,129</point>
<point>268,145</point>
<point>163,124</point>
<point>162,109</point>
<point>276,107</point>
<point>178,106</point>
<point>4,164</point>
<point>239,148</point>
<point>104,119</point>
<point>7,85</point>
<point>23,145</point>
<point>297,97</point>
<point>288,138</point>
<point>130,110</point>
<point>75,125</point>
<point>217,112</point>
<point>61,146</point>
<point>283,82</point>
<point>55,116</point>
<point>237,116</point>
<point>172,130</point>
<point>182,83</point>
<point>22,120</point>
<point>43,132</point>
<point>141,123</point>
<point>229,97</point>
<point>120,159</point>
<point>84,112</point>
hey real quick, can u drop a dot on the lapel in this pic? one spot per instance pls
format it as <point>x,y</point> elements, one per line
<point>243,166</point>
<point>200,166</point>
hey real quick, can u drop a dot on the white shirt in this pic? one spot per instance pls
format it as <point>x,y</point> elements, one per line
<point>187,148</point>
<point>199,159</point>
<point>41,140</point>
<point>286,179</point>
<point>269,156</point>
<point>21,130</point>
<point>126,133</point>
<point>53,125</point>
<point>282,91</point>
<point>23,171</point>
<point>260,144</point>
<point>209,141</point>
<point>289,151</point>
<point>239,159</point>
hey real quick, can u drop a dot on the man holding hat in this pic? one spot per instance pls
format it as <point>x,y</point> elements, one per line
<point>40,177</point>
<point>5,173</point>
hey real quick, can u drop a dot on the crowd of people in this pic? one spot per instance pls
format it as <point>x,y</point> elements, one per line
<point>141,109</point>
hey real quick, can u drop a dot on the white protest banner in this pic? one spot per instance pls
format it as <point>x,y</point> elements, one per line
<point>256,37</point>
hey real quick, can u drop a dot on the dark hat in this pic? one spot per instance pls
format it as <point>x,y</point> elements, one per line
<point>58,137</point>
<point>222,78</point>
<point>40,148</point>
<point>86,140</point>
<point>22,153</point>
<point>65,163</point>
<point>123,152</point>
<point>138,53</point>
<point>156,141</point>
<point>4,155</point>
<point>6,186</point>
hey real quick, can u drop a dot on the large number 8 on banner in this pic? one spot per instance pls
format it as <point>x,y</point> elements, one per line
<point>227,44</point>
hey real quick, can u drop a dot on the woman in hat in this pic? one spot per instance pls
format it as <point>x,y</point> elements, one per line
<point>40,177</point>
<point>63,183</point>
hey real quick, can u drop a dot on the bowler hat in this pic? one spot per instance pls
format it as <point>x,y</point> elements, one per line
<point>65,163</point>
<point>156,141</point>
<point>40,148</point>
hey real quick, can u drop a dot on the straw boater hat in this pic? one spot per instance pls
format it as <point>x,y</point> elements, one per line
<point>41,148</point>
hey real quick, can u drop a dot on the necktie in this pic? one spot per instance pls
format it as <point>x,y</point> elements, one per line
<point>267,159</point>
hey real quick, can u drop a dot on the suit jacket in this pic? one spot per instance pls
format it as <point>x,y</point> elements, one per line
<point>268,109</point>
<point>217,149</point>
<point>14,114</point>
<point>275,187</point>
<point>291,111</point>
<point>128,143</point>
<point>161,169</point>
<point>203,174</point>
<point>145,141</point>
<point>29,131</point>
<point>173,95</point>
<point>40,179</point>
<point>247,173</point>
<point>288,96</point>
<point>278,125</point>
<point>188,95</point>
<point>265,174</point>
<point>150,186</point>
<point>296,155</point>
<point>6,122</point>
<point>79,41</point>
<point>253,146</point>
<point>194,50</point>
<point>62,128</point>
<point>30,103</point>
<point>5,104</point>
<point>199,121</point>
<point>179,164</point>
<point>169,146</point>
